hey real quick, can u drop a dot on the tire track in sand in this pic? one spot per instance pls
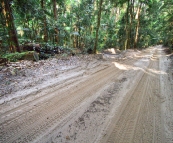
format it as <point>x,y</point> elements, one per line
<point>140,117</point>
<point>33,123</point>
<point>41,97</point>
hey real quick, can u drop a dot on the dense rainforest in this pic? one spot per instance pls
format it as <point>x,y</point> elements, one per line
<point>84,25</point>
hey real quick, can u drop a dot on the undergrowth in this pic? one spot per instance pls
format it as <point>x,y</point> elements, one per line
<point>13,57</point>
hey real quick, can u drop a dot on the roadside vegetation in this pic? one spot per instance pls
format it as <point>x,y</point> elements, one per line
<point>52,27</point>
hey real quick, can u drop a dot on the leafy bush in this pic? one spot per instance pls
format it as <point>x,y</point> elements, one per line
<point>13,57</point>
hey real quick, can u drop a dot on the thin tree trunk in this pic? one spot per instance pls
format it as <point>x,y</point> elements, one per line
<point>54,10</point>
<point>78,30</point>
<point>137,26</point>
<point>55,18</point>
<point>131,42</point>
<point>13,39</point>
<point>98,25</point>
<point>45,22</point>
<point>126,44</point>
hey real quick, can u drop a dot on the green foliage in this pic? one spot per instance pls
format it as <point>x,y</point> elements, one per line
<point>166,23</point>
<point>13,57</point>
<point>76,24</point>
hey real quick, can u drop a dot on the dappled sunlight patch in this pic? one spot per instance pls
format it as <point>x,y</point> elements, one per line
<point>158,72</point>
<point>146,56</point>
<point>126,67</point>
<point>139,56</point>
<point>120,66</point>
<point>153,59</point>
<point>149,71</point>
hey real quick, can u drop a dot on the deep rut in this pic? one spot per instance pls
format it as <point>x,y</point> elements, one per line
<point>33,123</point>
<point>140,120</point>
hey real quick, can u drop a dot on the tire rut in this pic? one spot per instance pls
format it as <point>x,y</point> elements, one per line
<point>41,95</point>
<point>33,123</point>
<point>140,117</point>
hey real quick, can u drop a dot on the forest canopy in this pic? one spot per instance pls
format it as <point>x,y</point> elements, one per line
<point>85,24</point>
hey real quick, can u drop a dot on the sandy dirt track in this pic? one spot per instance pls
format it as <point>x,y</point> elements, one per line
<point>127,100</point>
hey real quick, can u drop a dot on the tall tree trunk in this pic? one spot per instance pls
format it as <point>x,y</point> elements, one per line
<point>45,22</point>
<point>13,39</point>
<point>98,25</point>
<point>137,26</point>
<point>131,24</point>
<point>126,44</point>
<point>78,30</point>
<point>55,18</point>
<point>54,9</point>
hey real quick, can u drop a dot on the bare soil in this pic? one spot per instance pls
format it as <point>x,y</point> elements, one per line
<point>109,98</point>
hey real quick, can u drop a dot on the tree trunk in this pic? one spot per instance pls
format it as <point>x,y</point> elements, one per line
<point>13,39</point>
<point>54,10</point>
<point>131,43</point>
<point>55,18</point>
<point>126,44</point>
<point>137,26</point>
<point>45,22</point>
<point>78,30</point>
<point>98,25</point>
